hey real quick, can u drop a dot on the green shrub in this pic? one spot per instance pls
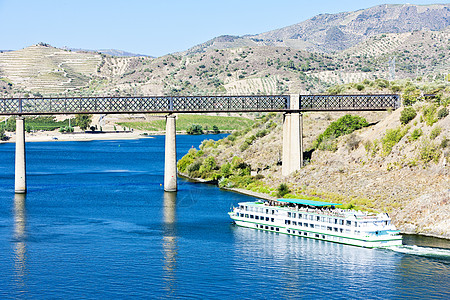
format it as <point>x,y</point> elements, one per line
<point>344,125</point>
<point>415,134</point>
<point>391,138</point>
<point>261,133</point>
<point>429,152</point>
<point>429,114</point>
<point>442,113</point>
<point>407,115</point>
<point>411,96</point>
<point>444,142</point>
<point>435,132</point>
<point>194,167</point>
<point>186,160</point>
<point>282,190</point>
<point>225,170</point>
<point>244,146</point>
<point>396,88</point>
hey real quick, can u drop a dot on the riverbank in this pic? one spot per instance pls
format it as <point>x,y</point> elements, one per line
<point>55,136</point>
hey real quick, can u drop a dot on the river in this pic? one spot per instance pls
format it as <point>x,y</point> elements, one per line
<point>96,223</point>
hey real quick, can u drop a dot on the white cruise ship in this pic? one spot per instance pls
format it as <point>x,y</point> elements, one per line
<point>318,220</point>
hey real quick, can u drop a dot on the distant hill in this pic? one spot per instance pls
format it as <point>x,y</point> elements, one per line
<point>112,52</point>
<point>336,32</point>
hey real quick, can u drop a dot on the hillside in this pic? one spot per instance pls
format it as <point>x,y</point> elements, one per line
<point>336,32</point>
<point>262,70</point>
<point>387,166</point>
<point>47,70</point>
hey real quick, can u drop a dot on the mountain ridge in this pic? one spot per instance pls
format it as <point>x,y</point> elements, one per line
<point>336,32</point>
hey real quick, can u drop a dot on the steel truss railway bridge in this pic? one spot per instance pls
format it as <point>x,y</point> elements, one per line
<point>291,105</point>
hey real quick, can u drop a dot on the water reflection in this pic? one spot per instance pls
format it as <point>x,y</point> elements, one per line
<point>170,241</point>
<point>20,249</point>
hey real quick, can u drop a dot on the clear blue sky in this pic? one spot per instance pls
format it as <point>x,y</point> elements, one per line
<point>154,27</point>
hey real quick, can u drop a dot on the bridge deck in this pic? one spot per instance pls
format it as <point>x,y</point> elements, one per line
<point>193,104</point>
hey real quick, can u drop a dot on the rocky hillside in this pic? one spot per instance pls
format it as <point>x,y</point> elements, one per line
<point>337,32</point>
<point>44,70</point>
<point>399,167</point>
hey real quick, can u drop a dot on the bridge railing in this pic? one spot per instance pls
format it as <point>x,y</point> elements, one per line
<point>156,104</point>
<point>349,102</point>
<point>181,104</point>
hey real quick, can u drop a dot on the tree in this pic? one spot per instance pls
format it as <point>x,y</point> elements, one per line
<point>195,129</point>
<point>3,136</point>
<point>83,121</point>
<point>216,129</point>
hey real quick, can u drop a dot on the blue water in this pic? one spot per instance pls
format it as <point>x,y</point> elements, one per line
<point>96,223</point>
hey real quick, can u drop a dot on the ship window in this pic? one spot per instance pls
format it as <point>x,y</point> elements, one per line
<point>287,222</point>
<point>278,229</point>
<point>257,217</point>
<point>299,216</point>
<point>246,208</point>
<point>267,211</point>
<point>323,236</point>
<point>311,225</point>
<point>293,215</point>
<point>341,230</point>
<point>289,214</point>
<point>271,228</point>
<point>311,217</point>
<point>251,217</point>
<point>335,229</point>
<point>341,222</point>
<point>356,224</point>
<point>246,215</point>
<point>288,231</point>
<point>317,218</point>
<point>267,219</point>
<point>305,233</point>
<point>272,220</point>
<point>349,223</point>
<point>294,223</point>
<point>306,224</point>
<point>267,227</point>
<point>242,206</point>
<point>317,235</point>
<point>293,231</point>
<point>300,224</point>
<point>335,221</point>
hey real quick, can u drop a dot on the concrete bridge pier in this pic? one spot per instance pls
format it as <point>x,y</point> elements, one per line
<point>170,163</point>
<point>20,183</point>
<point>292,159</point>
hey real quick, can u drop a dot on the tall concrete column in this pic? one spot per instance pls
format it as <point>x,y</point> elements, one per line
<point>20,183</point>
<point>292,139</point>
<point>170,165</point>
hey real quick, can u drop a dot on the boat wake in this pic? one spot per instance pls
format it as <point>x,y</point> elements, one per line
<point>423,251</point>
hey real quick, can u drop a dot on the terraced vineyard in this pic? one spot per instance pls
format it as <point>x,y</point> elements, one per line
<point>48,70</point>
